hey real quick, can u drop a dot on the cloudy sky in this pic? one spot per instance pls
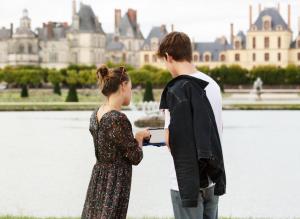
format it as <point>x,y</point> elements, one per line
<point>203,20</point>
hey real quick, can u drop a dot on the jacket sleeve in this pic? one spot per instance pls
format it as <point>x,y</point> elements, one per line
<point>202,124</point>
<point>183,150</point>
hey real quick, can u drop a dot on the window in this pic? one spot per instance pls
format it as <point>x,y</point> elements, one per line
<point>267,42</point>
<point>254,42</point>
<point>146,58</point>
<point>207,58</point>
<point>195,58</point>
<point>267,25</point>
<point>223,58</point>
<point>267,57</point>
<point>124,57</point>
<point>21,49</point>
<point>30,49</point>
<point>154,58</point>
<point>279,42</point>
<point>237,45</point>
<point>279,56</point>
<point>299,56</point>
<point>254,57</point>
<point>237,57</point>
<point>53,58</point>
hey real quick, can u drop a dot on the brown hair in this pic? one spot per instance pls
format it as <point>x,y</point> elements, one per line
<point>176,44</point>
<point>110,79</point>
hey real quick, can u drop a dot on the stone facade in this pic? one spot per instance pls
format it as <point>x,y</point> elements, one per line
<point>268,41</point>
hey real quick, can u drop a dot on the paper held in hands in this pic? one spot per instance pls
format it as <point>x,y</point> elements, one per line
<point>157,138</point>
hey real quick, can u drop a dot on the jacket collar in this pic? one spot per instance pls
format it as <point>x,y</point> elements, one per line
<point>203,84</point>
<point>163,102</point>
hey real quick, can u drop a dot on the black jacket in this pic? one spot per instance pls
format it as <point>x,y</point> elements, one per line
<point>194,139</point>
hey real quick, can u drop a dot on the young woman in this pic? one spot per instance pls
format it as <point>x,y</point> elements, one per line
<point>116,149</point>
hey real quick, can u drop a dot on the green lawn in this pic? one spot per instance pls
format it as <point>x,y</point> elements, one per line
<point>46,95</point>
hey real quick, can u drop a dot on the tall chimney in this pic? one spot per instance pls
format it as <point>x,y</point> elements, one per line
<point>250,16</point>
<point>117,20</point>
<point>74,8</point>
<point>11,29</point>
<point>231,33</point>
<point>299,25</point>
<point>132,14</point>
<point>172,27</point>
<point>259,8</point>
<point>278,7</point>
<point>289,16</point>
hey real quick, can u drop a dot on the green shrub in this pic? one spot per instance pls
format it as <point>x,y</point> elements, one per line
<point>148,95</point>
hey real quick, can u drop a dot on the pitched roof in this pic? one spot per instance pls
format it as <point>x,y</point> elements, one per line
<point>156,32</point>
<point>88,21</point>
<point>5,33</point>
<point>275,16</point>
<point>215,48</point>
<point>130,28</point>
<point>53,31</point>
<point>115,45</point>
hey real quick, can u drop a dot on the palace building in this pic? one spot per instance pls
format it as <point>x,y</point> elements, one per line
<point>268,41</point>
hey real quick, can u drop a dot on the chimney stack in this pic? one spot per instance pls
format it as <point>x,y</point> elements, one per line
<point>231,33</point>
<point>132,14</point>
<point>289,16</point>
<point>250,16</point>
<point>278,7</point>
<point>74,8</point>
<point>299,25</point>
<point>172,27</point>
<point>117,20</point>
<point>11,29</point>
<point>259,8</point>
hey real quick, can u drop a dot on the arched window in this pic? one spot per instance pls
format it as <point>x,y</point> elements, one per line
<point>267,42</point>
<point>254,57</point>
<point>237,57</point>
<point>196,58</point>
<point>146,58</point>
<point>154,58</point>
<point>207,58</point>
<point>223,58</point>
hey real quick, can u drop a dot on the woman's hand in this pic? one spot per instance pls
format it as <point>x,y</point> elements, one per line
<point>141,135</point>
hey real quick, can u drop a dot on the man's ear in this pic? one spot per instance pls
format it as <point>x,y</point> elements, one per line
<point>169,58</point>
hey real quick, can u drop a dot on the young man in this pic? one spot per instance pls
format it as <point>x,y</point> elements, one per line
<point>192,103</point>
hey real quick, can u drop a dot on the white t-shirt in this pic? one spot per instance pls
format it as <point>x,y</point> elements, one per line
<point>214,96</point>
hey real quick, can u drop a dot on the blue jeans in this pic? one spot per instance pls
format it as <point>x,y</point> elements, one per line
<point>207,206</point>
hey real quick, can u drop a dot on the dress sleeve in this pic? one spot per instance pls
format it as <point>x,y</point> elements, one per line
<point>126,143</point>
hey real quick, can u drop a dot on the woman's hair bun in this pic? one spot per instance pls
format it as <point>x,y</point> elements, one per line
<point>103,70</point>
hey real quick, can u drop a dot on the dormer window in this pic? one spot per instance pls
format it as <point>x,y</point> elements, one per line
<point>279,27</point>
<point>223,58</point>
<point>237,44</point>
<point>254,27</point>
<point>267,23</point>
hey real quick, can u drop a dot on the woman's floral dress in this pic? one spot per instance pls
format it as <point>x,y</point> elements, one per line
<point>116,151</point>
